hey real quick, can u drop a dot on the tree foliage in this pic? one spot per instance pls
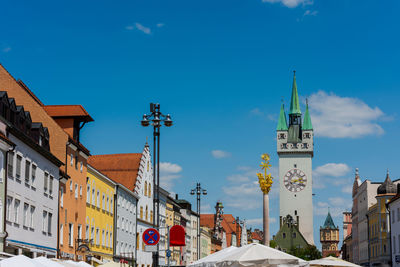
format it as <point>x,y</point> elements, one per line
<point>272,244</point>
<point>308,253</point>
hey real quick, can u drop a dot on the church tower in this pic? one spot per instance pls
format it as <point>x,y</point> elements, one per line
<point>329,237</point>
<point>295,147</point>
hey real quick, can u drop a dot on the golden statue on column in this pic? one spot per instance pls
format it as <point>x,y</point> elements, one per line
<point>265,181</point>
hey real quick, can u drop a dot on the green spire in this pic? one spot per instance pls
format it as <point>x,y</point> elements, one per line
<point>294,103</point>
<point>307,125</point>
<point>282,124</point>
<point>329,221</point>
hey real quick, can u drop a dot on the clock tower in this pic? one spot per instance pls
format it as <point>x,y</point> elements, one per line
<point>295,149</point>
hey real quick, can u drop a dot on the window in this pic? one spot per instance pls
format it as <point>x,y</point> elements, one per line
<point>70,186</point>
<point>62,197</point>
<point>108,204</point>
<point>123,224</point>
<point>61,237</point>
<point>284,235</point>
<point>45,182</point>
<point>151,216</point>
<point>394,244</point>
<point>149,189</point>
<point>81,166</point>
<point>51,185</point>
<point>10,164</point>
<point>92,233</point>
<point>111,205</point>
<point>9,203</point>
<point>398,214</point>
<point>88,193</point>
<point>79,231</point>
<point>118,222</point>
<point>18,169</point>
<point>103,204</point>
<point>87,232</point>
<point>97,236</point>
<point>72,159</point>
<point>98,199</point>
<point>102,238</point>
<point>398,240</point>
<point>76,190</point>
<point>137,241</point>
<point>147,211</point>
<point>33,175</point>
<point>44,221</point>
<point>111,240</point>
<point>107,239</point>
<point>93,196</point>
<point>145,189</point>
<point>32,216</point>
<point>26,210</point>
<point>27,171</point>
<point>80,191</point>
<point>71,234</point>
<point>16,210</point>
<point>49,223</point>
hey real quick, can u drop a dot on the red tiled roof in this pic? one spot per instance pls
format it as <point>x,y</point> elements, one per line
<point>256,236</point>
<point>207,220</point>
<point>121,168</point>
<point>67,111</point>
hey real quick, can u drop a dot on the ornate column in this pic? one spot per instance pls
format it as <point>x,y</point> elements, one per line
<point>265,181</point>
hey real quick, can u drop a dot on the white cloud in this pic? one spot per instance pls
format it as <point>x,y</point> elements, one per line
<point>348,189</point>
<point>140,27</point>
<point>6,49</point>
<point>258,113</point>
<point>219,154</point>
<point>310,13</point>
<point>336,206</point>
<point>332,169</point>
<point>343,117</point>
<point>238,178</point>
<point>205,209</point>
<point>169,172</point>
<point>289,3</point>
<point>159,25</point>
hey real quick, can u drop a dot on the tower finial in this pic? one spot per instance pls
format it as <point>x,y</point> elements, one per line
<point>294,101</point>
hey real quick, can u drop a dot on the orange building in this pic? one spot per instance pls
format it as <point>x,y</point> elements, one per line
<point>64,124</point>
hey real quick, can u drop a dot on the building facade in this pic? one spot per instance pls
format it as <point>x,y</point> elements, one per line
<point>295,147</point>
<point>163,245</point>
<point>32,185</point>
<point>289,235</point>
<point>135,172</point>
<point>99,228</point>
<point>394,214</point>
<point>329,237</point>
<point>126,225</point>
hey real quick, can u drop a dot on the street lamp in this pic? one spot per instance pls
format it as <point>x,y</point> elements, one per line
<point>156,118</point>
<point>238,222</point>
<point>198,191</point>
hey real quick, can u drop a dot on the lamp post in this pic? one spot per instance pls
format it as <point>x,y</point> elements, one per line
<point>198,191</point>
<point>156,118</point>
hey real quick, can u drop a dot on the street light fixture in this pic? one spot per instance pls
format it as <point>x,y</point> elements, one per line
<point>156,118</point>
<point>198,191</point>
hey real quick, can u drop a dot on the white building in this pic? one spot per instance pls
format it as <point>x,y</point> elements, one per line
<point>394,211</point>
<point>31,189</point>
<point>163,245</point>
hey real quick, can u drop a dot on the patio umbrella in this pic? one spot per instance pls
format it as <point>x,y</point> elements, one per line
<point>211,259</point>
<point>46,262</point>
<point>332,261</point>
<point>19,261</point>
<point>257,255</point>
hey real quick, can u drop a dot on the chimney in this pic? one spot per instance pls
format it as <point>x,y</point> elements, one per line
<point>176,196</point>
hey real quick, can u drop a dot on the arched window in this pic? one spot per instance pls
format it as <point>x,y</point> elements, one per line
<point>147,211</point>
<point>145,188</point>
<point>141,212</point>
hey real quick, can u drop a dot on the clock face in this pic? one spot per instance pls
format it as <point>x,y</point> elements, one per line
<point>295,180</point>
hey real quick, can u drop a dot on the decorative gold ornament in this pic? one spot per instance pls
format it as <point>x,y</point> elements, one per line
<point>265,180</point>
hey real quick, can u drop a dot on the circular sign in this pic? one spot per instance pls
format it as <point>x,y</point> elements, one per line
<point>151,237</point>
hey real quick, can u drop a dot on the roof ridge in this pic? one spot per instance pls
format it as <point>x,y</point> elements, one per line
<point>116,154</point>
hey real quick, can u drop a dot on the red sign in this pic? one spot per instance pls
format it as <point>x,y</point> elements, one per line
<point>177,236</point>
<point>151,237</point>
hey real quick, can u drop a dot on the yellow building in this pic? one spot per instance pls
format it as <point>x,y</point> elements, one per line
<point>378,224</point>
<point>99,215</point>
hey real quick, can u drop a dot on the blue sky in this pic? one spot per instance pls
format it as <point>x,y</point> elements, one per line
<point>221,69</point>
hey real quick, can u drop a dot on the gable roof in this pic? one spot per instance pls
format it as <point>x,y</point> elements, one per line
<point>329,224</point>
<point>256,236</point>
<point>207,220</point>
<point>68,111</point>
<point>121,168</point>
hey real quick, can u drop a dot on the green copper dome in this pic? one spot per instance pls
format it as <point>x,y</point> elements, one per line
<point>329,224</point>
<point>307,125</point>
<point>282,123</point>
<point>294,102</point>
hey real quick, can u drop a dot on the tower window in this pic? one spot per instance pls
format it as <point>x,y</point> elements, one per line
<point>295,212</point>
<point>295,165</point>
<point>284,235</point>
